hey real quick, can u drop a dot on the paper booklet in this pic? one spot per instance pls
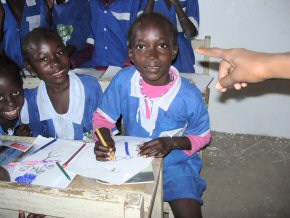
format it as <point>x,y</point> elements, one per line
<point>46,149</point>
<point>125,166</point>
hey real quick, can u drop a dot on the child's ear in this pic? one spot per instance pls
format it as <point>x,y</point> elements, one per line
<point>175,51</point>
<point>130,54</point>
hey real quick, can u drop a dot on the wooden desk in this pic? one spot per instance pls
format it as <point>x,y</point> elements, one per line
<point>84,197</point>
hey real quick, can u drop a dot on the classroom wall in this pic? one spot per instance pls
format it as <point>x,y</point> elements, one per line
<point>261,25</point>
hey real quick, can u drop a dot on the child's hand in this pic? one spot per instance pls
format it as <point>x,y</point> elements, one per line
<point>31,215</point>
<point>23,130</point>
<point>104,153</point>
<point>159,147</point>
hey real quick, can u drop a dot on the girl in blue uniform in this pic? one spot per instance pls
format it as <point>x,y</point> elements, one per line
<point>156,102</point>
<point>62,105</point>
<point>11,99</point>
<point>17,18</point>
<point>185,16</point>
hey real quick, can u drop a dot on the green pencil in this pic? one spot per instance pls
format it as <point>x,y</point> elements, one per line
<point>63,171</point>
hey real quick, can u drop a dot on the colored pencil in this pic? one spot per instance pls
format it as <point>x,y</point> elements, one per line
<point>69,160</point>
<point>44,146</point>
<point>63,171</point>
<point>103,142</point>
<point>33,162</point>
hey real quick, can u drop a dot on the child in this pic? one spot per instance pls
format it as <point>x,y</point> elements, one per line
<point>185,16</point>
<point>156,102</point>
<point>71,19</point>
<point>17,18</point>
<point>11,99</point>
<point>62,105</point>
<point>110,23</point>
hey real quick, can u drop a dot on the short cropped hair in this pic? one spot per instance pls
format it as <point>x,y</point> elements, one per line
<point>10,69</point>
<point>35,36</point>
<point>154,17</point>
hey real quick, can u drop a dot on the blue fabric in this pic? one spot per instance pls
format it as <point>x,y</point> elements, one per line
<point>13,33</point>
<point>187,110</point>
<point>75,16</point>
<point>93,96</point>
<point>110,28</point>
<point>185,59</point>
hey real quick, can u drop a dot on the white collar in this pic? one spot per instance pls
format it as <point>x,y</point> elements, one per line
<point>76,101</point>
<point>162,102</point>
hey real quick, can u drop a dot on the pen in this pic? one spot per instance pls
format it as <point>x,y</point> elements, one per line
<point>69,160</point>
<point>44,146</point>
<point>33,162</point>
<point>63,171</point>
<point>103,141</point>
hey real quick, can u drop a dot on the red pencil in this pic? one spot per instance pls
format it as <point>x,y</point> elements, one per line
<point>69,160</point>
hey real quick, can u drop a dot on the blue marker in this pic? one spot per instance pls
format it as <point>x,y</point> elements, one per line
<point>127,149</point>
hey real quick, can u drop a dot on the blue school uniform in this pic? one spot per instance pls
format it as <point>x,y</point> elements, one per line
<point>181,111</point>
<point>85,96</point>
<point>72,21</point>
<point>13,33</point>
<point>185,59</point>
<point>110,28</point>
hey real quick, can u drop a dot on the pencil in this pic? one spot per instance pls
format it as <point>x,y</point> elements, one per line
<point>44,146</point>
<point>69,160</point>
<point>63,171</point>
<point>103,141</point>
<point>33,162</point>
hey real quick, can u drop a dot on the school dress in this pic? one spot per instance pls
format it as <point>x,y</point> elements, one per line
<point>181,111</point>
<point>72,21</point>
<point>185,59</point>
<point>13,33</point>
<point>85,96</point>
<point>110,28</point>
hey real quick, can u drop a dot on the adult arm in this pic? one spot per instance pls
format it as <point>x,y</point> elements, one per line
<point>241,66</point>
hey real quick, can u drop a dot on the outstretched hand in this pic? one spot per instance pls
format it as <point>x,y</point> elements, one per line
<point>238,66</point>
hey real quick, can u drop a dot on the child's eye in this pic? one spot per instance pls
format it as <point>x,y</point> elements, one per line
<point>140,46</point>
<point>1,98</point>
<point>43,59</point>
<point>16,93</point>
<point>163,45</point>
<point>60,52</point>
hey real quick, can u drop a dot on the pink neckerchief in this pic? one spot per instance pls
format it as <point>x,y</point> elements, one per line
<point>156,91</point>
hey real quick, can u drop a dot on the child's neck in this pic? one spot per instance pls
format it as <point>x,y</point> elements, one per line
<point>59,97</point>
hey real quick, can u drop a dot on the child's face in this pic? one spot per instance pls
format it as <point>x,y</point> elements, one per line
<point>49,60</point>
<point>152,51</point>
<point>11,98</point>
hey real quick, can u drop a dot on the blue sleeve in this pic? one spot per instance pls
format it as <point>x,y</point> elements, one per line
<point>192,10</point>
<point>116,94</point>
<point>198,122</point>
<point>81,26</point>
<point>94,95</point>
<point>43,15</point>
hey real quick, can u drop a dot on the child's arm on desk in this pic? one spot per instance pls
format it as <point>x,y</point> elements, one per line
<point>161,147</point>
<point>104,149</point>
